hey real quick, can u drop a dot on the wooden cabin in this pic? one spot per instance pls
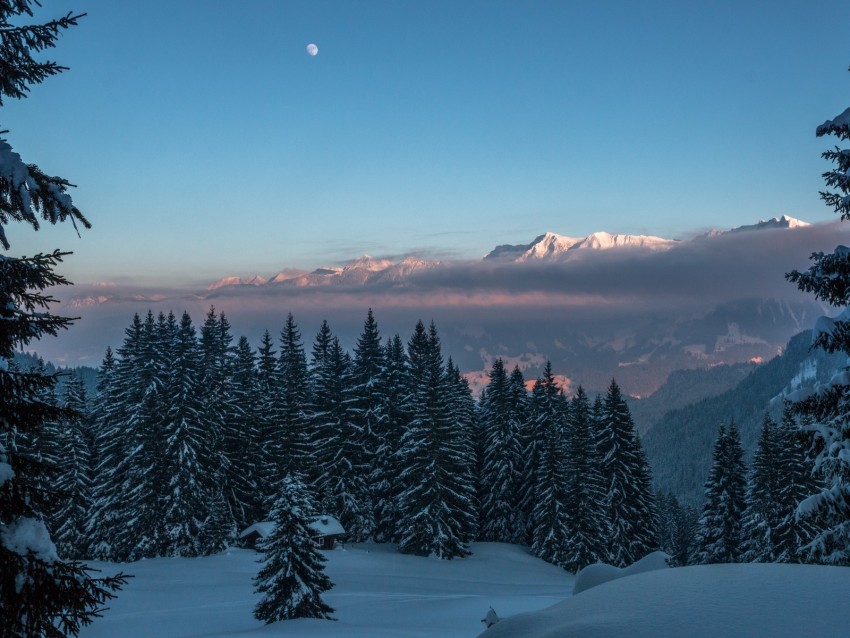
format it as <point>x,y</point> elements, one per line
<point>325,527</point>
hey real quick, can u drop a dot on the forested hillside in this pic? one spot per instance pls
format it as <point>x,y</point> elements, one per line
<point>679,445</point>
<point>684,387</point>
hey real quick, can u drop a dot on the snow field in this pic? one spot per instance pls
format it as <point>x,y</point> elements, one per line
<point>378,593</point>
<point>747,600</point>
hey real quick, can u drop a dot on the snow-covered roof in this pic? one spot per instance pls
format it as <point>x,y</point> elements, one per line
<point>263,528</point>
<point>324,525</point>
<point>327,525</point>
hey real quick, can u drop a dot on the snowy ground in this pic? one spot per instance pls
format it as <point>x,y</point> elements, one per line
<point>710,601</point>
<point>378,593</point>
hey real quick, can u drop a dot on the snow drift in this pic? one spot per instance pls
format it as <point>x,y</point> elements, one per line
<point>706,601</point>
<point>599,573</point>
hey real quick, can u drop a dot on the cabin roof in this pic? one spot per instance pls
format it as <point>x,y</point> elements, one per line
<point>323,525</point>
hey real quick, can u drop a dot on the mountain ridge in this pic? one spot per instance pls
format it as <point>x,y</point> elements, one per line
<point>545,248</point>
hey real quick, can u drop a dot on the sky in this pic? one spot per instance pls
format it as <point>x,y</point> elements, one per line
<point>204,140</point>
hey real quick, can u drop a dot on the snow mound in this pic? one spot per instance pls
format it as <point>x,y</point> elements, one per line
<point>27,535</point>
<point>705,601</point>
<point>599,573</point>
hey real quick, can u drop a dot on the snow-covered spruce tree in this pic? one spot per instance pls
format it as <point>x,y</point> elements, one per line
<point>111,451</point>
<point>269,419</point>
<point>338,452</point>
<point>462,408</point>
<point>292,578</point>
<point>141,376</point>
<point>587,540</point>
<point>40,594</point>
<point>73,479</point>
<point>365,406</point>
<point>628,484</point>
<point>798,481</point>
<point>501,469</point>
<point>677,529</point>
<point>187,494</point>
<point>243,443</point>
<point>519,408</point>
<point>719,539</point>
<point>549,523</point>
<point>117,397</point>
<point>828,278</point>
<point>764,512</point>
<point>436,507</point>
<point>293,432</point>
<point>384,476</point>
<point>220,415</point>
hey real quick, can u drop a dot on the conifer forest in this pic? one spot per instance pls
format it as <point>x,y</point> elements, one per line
<point>192,432</point>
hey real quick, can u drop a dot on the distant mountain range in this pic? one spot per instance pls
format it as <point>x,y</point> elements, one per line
<point>546,248</point>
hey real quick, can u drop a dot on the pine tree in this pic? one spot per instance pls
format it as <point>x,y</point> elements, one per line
<point>220,415</point>
<point>436,509</point>
<point>829,409</point>
<point>269,419</point>
<point>585,490</point>
<point>719,539</point>
<point>292,578</point>
<point>186,499</point>
<point>501,468</point>
<point>677,529</point>
<point>40,594</point>
<point>293,435</point>
<point>73,480</point>
<point>796,469</point>
<point>117,395</point>
<point>142,378</point>
<point>243,444</point>
<point>549,522</point>
<point>341,479</point>
<point>463,410</point>
<point>384,475</point>
<point>764,512</point>
<point>625,470</point>
<point>110,449</point>
<point>365,406</point>
<point>519,409</point>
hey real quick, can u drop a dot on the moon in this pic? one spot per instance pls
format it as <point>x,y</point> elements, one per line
<point>312,50</point>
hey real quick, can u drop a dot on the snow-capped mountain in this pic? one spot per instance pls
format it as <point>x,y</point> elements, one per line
<point>541,247</point>
<point>255,280</point>
<point>361,271</point>
<point>399,272</point>
<point>553,247</point>
<point>357,272</point>
<point>769,224</point>
<point>607,241</point>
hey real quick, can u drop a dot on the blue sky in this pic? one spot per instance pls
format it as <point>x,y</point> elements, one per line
<point>206,142</point>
